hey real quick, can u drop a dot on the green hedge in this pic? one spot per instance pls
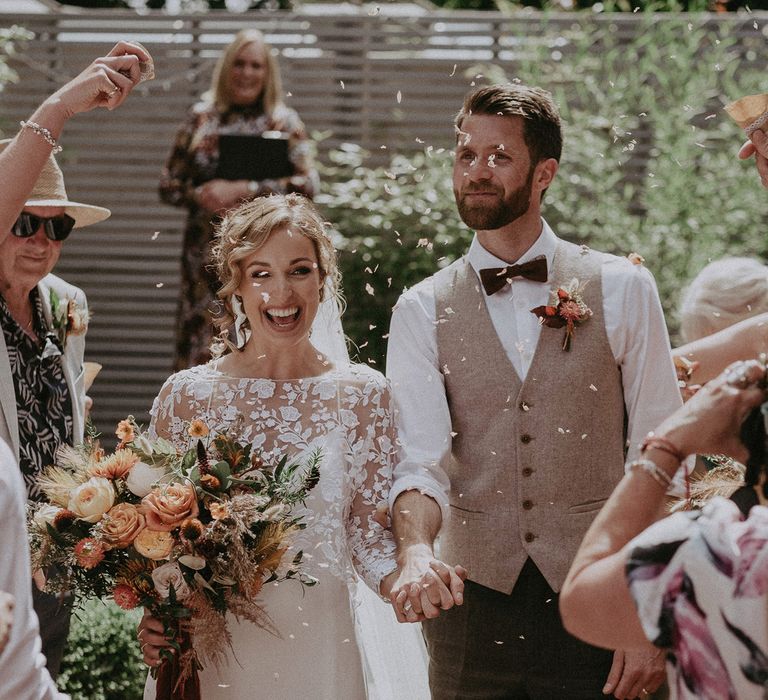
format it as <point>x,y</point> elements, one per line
<point>102,660</point>
<point>649,166</point>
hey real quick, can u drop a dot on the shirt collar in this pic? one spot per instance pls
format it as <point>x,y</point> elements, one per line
<point>545,245</point>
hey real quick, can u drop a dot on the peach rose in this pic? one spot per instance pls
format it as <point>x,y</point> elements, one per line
<point>116,466</point>
<point>121,524</point>
<point>153,544</point>
<point>169,575</point>
<point>167,506</point>
<point>91,500</point>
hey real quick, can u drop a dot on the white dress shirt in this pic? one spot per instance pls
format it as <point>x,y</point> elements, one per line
<point>23,675</point>
<point>637,335</point>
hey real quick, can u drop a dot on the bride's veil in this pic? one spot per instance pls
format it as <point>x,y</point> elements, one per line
<point>394,655</point>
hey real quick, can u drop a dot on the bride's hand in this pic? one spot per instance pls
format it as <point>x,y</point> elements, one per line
<point>152,639</point>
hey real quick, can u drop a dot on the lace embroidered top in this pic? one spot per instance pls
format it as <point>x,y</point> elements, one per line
<point>346,413</point>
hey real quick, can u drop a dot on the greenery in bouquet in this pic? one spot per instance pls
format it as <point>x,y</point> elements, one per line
<point>188,534</point>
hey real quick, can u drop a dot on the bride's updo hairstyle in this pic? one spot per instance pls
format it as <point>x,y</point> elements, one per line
<point>245,229</point>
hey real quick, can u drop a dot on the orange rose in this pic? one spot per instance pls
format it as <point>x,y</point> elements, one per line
<point>167,506</point>
<point>153,544</point>
<point>121,524</point>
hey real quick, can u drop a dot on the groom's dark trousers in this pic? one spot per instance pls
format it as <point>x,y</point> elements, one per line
<point>513,647</point>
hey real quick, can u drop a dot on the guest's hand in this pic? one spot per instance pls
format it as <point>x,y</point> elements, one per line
<point>757,146</point>
<point>152,639</point>
<point>635,674</point>
<point>107,82</point>
<point>425,585</point>
<point>710,422</point>
<point>39,578</point>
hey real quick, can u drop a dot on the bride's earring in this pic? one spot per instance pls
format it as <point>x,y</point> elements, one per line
<point>242,326</point>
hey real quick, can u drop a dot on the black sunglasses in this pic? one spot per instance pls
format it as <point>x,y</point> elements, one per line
<point>57,228</point>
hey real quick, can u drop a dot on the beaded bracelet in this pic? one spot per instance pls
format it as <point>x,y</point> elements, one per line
<point>661,443</point>
<point>43,133</point>
<point>652,469</point>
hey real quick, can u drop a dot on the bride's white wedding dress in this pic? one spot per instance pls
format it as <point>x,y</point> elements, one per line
<point>336,639</point>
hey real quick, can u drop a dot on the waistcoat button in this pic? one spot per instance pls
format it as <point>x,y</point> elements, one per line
<point>529,537</point>
<point>527,504</point>
<point>525,438</point>
<point>527,471</point>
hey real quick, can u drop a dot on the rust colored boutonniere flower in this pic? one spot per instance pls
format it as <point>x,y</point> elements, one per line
<point>567,310</point>
<point>67,318</point>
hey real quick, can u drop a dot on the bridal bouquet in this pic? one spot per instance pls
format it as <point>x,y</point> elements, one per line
<point>188,534</point>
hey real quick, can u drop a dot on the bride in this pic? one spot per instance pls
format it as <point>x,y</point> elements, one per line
<point>288,384</point>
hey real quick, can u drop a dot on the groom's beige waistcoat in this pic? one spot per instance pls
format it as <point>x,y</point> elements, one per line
<point>533,461</point>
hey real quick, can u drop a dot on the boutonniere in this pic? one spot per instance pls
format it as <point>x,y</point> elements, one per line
<point>567,310</point>
<point>67,318</point>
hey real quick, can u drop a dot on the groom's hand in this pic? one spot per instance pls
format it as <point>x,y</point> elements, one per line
<point>425,585</point>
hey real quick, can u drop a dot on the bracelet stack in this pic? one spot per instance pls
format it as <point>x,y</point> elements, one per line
<point>652,469</point>
<point>661,443</point>
<point>43,133</point>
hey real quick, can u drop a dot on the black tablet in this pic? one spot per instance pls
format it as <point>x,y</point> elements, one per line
<point>245,157</point>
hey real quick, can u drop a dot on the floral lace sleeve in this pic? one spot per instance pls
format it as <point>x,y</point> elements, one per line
<point>370,542</point>
<point>171,412</point>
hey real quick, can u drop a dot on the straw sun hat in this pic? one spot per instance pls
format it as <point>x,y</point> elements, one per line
<point>49,191</point>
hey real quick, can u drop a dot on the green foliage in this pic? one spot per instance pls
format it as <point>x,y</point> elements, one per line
<point>103,660</point>
<point>649,166</point>
<point>397,225</point>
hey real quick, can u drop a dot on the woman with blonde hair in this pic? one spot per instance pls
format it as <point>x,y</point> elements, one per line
<point>285,383</point>
<point>245,99</point>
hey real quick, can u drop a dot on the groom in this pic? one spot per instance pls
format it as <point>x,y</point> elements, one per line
<point>511,440</point>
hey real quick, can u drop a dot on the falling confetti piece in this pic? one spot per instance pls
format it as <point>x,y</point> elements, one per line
<point>453,72</point>
<point>155,235</point>
<point>561,431</point>
<point>369,289</point>
<point>159,284</point>
<point>374,11</point>
<point>584,436</point>
<point>341,82</point>
<point>499,642</point>
<point>399,97</point>
<point>593,387</point>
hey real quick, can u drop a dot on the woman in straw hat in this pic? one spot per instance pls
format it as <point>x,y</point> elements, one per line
<point>43,319</point>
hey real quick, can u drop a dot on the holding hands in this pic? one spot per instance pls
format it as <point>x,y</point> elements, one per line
<point>422,586</point>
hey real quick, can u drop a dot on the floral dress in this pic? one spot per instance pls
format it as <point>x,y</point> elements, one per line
<point>346,414</point>
<point>192,162</point>
<point>700,582</point>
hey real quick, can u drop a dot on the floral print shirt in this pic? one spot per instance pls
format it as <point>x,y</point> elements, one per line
<point>43,402</point>
<point>700,582</point>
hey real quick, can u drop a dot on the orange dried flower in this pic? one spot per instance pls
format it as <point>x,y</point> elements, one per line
<point>125,431</point>
<point>89,552</point>
<point>198,429</point>
<point>125,597</point>
<point>210,482</point>
<point>64,520</point>
<point>192,529</point>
